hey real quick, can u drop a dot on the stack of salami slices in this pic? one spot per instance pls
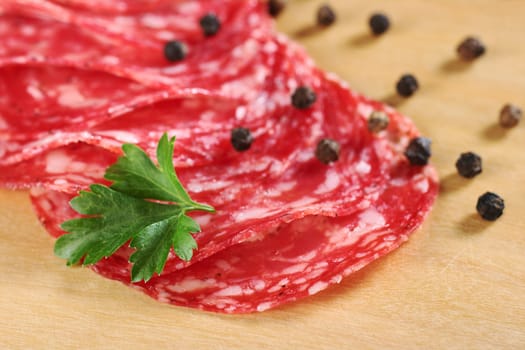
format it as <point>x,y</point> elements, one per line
<point>79,78</point>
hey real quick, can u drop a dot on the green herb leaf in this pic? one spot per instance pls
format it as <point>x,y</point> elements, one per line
<point>136,174</point>
<point>182,241</point>
<point>154,242</point>
<point>125,211</point>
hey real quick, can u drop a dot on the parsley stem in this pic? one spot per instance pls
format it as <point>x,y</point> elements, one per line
<point>199,206</point>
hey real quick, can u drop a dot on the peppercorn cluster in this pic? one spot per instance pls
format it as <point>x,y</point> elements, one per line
<point>469,164</point>
<point>418,151</point>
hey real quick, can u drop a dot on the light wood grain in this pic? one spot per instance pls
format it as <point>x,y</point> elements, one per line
<point>458,284</point>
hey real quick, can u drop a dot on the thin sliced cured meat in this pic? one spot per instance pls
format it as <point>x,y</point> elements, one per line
<point>61,99</point>
<point>67,169</point>
<point>114,6</point>
<point>256,192</point>
<point>194,120</point>
<point>47,201</point>
<point>35,101</point>
<point>297,260</point>
<point>190,118</point>
<point>286,226</point>
<point>292,261</point>
<point>67,38</point>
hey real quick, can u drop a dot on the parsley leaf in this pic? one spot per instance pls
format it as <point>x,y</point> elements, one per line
<point>125,211</point>
<point>136,174</point>
<point>154,242</point>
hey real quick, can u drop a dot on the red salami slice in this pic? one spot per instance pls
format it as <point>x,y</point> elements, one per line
<point>194,120</point>
<point>67,38</point>
<point>292,261</point>
<point>75,99</point>
<point>78,99</point>
<point>114,6</point>
<point>67,169</point>
<point>286,225</point>
<point>253,200</point>
<point>50,209</point>
<point>190,118</point>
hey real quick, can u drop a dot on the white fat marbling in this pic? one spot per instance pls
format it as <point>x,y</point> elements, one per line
<point>308,256</point>
<point>264,306</point>
<point>70,96</point>
<point>305,156</point>
<point>175,69</point>
<point>294,269</point>
<point>230,291</point>
<point>275,288</point>
<point>203,220</point>
<point>390,238</point>
<point>270,47</point>
<point>35,92</point>
<point>196,186</point>
<point>27,30</point>
<point>3,123</point>
<point>57,162</point>
<point>331,182</point>
<point>317,287</point>
<point>191,284</point>
<point>258,285</point>
<point>252,213</point>
<point>164,35</point>
<point>363,167</point>
<point>364,110</point>
<point>122,136</point>
<point>210,67</point>
<point>60,182</point>
<point>240,113</point>
<point>371,219</point>
<point>336,279</point>
<point>299,281</point>
<point>321,265</point>
<point>153,21</point>
<point>422,186</point>
<point>246,49</point>
<point>112,60</point>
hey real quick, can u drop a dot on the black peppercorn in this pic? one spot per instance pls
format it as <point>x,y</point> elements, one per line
<point>275,7</point>
<point>510,116</point>
<point>490,206</point>
<point>407,85</point>
<point>379,23</point>
<point>327,151</point>
<point>175,51</point>
<point>325,15</point>
<point>241,139</point>
<point>303,97</point>
<point>377,121</point>
<point>210,24</point>
<point>418,151</point>
<point>469,164</point>
<point>470,49</point>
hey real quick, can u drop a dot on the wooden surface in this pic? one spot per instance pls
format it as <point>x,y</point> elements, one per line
<point>458,284</point>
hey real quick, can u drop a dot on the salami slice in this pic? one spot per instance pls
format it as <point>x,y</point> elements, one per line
<point>194,120</point>
<point>114,6</point>
<point>103,43</point>
<point>292,261</point>
<point>89,111</point>
<point>286,225</point>
<point>67,169</point>
<point>253,200</point>
<point>76,99</point>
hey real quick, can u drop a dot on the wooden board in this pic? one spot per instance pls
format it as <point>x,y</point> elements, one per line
<point>459,283</point>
